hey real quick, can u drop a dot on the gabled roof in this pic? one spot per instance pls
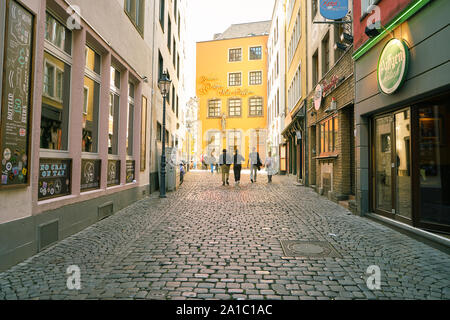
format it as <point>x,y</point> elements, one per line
<point>242,30</point>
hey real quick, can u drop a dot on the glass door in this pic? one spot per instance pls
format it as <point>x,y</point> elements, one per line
<point>392,165</point>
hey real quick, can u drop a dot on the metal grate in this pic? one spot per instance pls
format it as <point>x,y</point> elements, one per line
<point>308,249</point>
<point>106,210</point>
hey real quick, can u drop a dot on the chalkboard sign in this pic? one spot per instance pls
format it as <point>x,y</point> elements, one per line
<point>15,105</point>
<point>90,174</point>
<point>54,178</point>
<point>113,173</point>
<point>130,171</point>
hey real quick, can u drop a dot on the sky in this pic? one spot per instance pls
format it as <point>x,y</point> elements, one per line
<point>208,17</point>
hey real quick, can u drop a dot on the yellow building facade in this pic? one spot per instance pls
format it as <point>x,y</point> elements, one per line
<point>296,88</point>
<point>232,91</point>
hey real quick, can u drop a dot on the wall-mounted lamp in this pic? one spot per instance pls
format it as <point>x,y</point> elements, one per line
<point>340,46</point>
<point>348,38</point>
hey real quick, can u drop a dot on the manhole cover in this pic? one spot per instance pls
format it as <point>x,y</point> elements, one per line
<point>308,249</point>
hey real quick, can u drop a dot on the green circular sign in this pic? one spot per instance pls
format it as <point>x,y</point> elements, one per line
<point>393,66</point>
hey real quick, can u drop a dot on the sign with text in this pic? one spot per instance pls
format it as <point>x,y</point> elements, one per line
<point>54,178</point>
<point>333,9</point>
<point>393,66</point>
<point>90,174</point>
<point>15,104</point>
<point>130,171</point>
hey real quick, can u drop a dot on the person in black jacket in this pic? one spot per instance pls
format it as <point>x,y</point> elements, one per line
<point>237,166</point>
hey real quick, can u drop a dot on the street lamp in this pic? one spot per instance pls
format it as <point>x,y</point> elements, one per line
<point>164,86</point>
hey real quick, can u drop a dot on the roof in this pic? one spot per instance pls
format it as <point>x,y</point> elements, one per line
<point>241,30</point>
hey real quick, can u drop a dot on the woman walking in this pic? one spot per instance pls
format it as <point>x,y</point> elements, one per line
<point>212,161</point>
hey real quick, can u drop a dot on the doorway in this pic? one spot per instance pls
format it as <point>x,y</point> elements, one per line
<point>391,170</point>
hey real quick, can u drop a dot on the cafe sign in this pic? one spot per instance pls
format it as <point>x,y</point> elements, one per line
<point>393,66</point>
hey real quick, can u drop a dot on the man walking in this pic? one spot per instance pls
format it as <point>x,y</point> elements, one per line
<point>237,166</point>
<point>225,164</point>
<point>255,165</point>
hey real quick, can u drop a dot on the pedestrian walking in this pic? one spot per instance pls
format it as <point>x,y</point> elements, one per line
<point>270,167</point>
<point>255,165</point>
<point>212,161</point>
<point>182,172</point>
<point>225,164</point>
<point>237,166</point>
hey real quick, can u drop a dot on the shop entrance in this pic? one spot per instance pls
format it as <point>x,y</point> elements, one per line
<point>392,165</point>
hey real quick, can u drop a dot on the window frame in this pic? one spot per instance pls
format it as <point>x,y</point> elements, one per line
<point>136,14</point>
<point>234,73</point>
<point>250,78</point>
<point>250,51</point>
<point>250,107</point>
<point>328,136</point>
<point>229,107</point>
<point>229,55</point>
<point>219,108</point>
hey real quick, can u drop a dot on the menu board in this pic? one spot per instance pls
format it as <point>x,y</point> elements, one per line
<point>15,105</point>
<point>130,171</point>
<point>54,178</point>
<point>90,174</point>
<point>113,173</point>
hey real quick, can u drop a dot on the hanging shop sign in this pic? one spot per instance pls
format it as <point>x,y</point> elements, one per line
<point>113,173</point>
<point>54,178</point>
<point>318,95</point>
<point>90,174</point>
<point>393,66</point>
<point>333,9</point>
<point>15,104</point>
<point>130,170</point>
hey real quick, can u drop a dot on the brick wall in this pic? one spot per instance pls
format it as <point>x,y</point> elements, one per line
<point>343,162</point>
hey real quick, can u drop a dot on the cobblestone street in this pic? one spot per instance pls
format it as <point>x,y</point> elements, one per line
<point>207,241</point>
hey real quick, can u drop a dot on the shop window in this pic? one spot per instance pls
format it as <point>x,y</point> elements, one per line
<point>114,106</point>
<point>130,119</point>
<point>255,53</point>
<point>329,136</point>
<point>90,115</point>
<point>234,141</point>
<point>55,104</point>
<point>256,106</point>
<point>214,107</point>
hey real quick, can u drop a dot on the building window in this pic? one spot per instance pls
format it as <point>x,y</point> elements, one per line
<point>234,141</point>
<point>174,57</point>
<point>235,55</point>
<point>338,31</point>
<point>213,141</point>
<point>315,68</point>
<point>57,34</point>
<point>160,65</point>
<point>159,132</point>
<point>325,55</point>
<point>162,4</point>
<point>365,5</point>
<point>255,78</point>
<point>135,11</point>
<point>169,33</point>
<point>314,9</point>
<point>256,106</point>
<point>234,107</point>
<point>130,119</point>
<point>114,105</point>
<point>255,53</point>
<point>214,107</point>
<point>329,135</point>
<point>234,79</point>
